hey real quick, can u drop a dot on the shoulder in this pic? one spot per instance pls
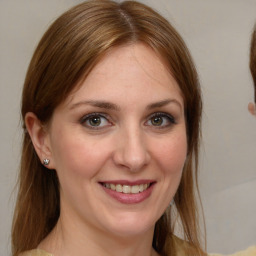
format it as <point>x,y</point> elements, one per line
<point>183,247</point>
<point>35,252</point>
<point>180,246</point>
<point>251,251</point>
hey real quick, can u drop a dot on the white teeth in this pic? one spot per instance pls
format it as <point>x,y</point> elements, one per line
<point>119,188</point>
<point>135,189</point>
<point>127,189</point>
<point>141,187</point>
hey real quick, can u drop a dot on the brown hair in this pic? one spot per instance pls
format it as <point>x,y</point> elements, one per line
<point>67,52</point>
<point>253,59</point>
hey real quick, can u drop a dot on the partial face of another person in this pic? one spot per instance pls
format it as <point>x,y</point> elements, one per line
<point>118,143</point>
<point>252,105</point>
<point>252,108</point>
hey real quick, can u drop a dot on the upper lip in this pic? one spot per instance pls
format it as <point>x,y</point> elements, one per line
<point>128,182</point>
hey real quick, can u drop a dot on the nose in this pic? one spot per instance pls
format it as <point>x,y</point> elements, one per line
<point>131,150</point>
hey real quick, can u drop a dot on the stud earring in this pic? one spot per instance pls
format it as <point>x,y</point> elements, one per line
<point>46,161</point>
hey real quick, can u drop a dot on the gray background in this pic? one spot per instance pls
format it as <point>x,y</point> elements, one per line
<point>217,33</point>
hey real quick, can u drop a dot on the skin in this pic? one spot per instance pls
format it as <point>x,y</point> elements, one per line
<point>252,108</point>
<point>130,142</point>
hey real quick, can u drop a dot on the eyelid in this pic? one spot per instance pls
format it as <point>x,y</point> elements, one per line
<point>86,116</point>
<point>171,117</point>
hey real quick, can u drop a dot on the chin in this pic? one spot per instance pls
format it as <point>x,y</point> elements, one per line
<point>128,226</point>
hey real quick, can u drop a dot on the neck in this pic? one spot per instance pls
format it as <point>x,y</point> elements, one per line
<point>73,238</point>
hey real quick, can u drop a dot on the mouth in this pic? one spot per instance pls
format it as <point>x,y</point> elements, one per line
<point>127,189</point>
<point>128,192</point>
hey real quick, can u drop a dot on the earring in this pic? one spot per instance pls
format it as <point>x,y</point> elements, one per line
<point>172,202</point>
<point>46,161</point>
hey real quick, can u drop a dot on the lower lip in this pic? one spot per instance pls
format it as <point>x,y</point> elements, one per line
<point>129,198</point>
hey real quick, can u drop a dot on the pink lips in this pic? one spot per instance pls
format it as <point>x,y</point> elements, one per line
<point>129,198</point>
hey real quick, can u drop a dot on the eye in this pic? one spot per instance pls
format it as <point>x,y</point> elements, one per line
<point>160,120</point>
<point>95,121</point>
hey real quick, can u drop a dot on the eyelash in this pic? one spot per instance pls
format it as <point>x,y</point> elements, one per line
<point>169,119</point>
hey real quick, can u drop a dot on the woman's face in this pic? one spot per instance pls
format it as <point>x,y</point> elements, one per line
<point>119,144</point>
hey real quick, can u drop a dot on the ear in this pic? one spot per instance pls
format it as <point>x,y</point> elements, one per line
<point>252,108</point>
<point>40,138</point>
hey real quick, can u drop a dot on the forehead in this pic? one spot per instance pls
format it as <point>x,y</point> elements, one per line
<point>127,68</point>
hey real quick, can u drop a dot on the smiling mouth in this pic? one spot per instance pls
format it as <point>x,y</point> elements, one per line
<point>127,189</point>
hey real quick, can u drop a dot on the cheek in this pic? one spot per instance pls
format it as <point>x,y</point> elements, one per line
<point>77,157</point>
<point>172,155</point>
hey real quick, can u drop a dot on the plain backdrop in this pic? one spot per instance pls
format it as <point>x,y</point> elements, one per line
<point>218,34</point>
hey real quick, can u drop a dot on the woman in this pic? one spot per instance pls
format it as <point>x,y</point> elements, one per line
<point>111,109</point>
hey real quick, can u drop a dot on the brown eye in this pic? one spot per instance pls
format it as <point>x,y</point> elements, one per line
<point>160,120</point>
<point>157,120</point>
<point>94,121</point>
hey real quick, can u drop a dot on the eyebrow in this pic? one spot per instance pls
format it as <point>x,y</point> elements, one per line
<point>112,106</point>
<point>96,103</point>
<point>163,103</point>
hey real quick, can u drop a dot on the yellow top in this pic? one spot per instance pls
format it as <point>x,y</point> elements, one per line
<point>35,252</point>
<point>249,252</point>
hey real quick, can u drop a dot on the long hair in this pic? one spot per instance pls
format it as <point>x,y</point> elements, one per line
<point>66,54</point>
<point>253,59</point>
